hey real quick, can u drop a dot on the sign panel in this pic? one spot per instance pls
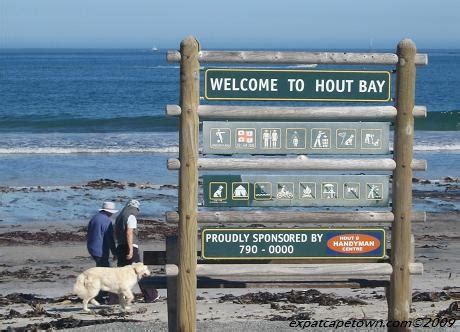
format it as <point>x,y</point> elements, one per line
<point>297,85</point>
<point>269,138</point>
<point>302,190</point>
<point>263,243</point>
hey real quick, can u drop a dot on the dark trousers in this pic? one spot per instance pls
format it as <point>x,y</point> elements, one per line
<point>150,294</point>
<point>122,251</point>
<point>102,297</point>
<point>101,261</point>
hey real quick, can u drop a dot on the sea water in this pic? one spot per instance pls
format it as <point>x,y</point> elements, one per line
<point>72,116</point>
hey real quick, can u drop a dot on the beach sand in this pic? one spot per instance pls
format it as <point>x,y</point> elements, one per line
<point>45,261</point>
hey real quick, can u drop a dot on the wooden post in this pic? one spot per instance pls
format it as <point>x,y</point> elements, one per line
<point>402,184</point>
<point>188,184</point>
<point>171,282</point>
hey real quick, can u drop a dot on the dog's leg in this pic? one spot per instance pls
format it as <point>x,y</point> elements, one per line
<point>129,297</point>
<point>90,297</point>
<point>121,300</point>
<point>85,304</point>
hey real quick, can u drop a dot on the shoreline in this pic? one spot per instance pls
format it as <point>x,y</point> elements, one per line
<point>74,204</point>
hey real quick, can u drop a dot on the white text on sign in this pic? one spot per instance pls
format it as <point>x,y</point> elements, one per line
<point>261,237</point>
<point>271,85</point>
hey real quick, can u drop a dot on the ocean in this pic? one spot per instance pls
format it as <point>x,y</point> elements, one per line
<point>72,116</point>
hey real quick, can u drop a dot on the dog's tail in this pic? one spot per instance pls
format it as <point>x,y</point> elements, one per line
<point>80,286</point>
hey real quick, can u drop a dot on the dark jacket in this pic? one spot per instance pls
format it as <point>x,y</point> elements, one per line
<point>121,224</point>
<point>99,240</point>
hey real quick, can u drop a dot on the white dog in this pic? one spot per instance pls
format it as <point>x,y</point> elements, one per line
<point>118,280</point>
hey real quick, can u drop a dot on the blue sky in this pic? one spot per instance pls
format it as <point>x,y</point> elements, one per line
<point>232,24</point>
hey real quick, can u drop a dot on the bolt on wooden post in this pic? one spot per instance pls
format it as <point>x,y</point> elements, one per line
<point>399,304</point>
<point>188,184</point>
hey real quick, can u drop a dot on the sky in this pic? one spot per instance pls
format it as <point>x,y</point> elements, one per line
<point>297,24</point>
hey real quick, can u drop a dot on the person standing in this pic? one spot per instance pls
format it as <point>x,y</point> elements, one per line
<point>100,242</point>
<point>128,243</point>
<point>100,239</point>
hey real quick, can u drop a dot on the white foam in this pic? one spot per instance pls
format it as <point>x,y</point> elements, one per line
<point>67,150</point>
<point>313,65</point>
<point>447,147</point>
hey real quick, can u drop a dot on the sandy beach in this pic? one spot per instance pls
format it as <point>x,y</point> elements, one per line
<point>40,264</point>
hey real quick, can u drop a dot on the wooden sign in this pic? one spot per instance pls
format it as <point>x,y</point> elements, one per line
<point>263,243</point>
<point>297,85</point>
<point>295,190</point>
<point>269,138</point>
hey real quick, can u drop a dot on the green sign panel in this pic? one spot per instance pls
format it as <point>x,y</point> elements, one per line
<point>300,85</point>
<point>232,137</point>
<point>295,190</point>
<point>263,243</point>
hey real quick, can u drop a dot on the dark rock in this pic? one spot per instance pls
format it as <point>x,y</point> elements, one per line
<point>452,312</point>
<point>141,310</point>
<point>298,297</point>
<point>299,316</point>
<point>289,307</point>
<point>13,314</point>
<point>71,322</point>
<point>104,184</point>
<point>430,296</point>
<point>153,229</point>
<point>274,305</point>
<point>40,237</point>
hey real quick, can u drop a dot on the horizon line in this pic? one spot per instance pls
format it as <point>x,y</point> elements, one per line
<point>155,49</point>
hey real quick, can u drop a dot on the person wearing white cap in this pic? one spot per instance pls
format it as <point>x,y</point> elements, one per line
<point>100,240</point>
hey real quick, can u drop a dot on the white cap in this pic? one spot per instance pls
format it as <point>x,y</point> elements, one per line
<point>108,207</point>
<point>134,203</point>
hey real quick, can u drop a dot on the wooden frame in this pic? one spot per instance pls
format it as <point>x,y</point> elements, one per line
<point>332,58</point>
<point>207,112</point>
<point>188,164</point>
<point>302,271</point>
<point>295,217</point>
<point>299,163</point>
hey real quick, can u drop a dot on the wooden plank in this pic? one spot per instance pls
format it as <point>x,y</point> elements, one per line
<point>188,184</point>
<point>307,271</point>
<point>296,113</point>
<point>309,138</point>
<point>337,58</point>
<point>289,270</point>
<point>302,217</point>
<point>152,257</point>
<point>295,190</point>
<point>399,308</point>
<point>299,163</point>
<point>159,282</point>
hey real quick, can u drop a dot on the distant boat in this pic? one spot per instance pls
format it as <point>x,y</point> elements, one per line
<point>154,49</point>
<point>312,65</point>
